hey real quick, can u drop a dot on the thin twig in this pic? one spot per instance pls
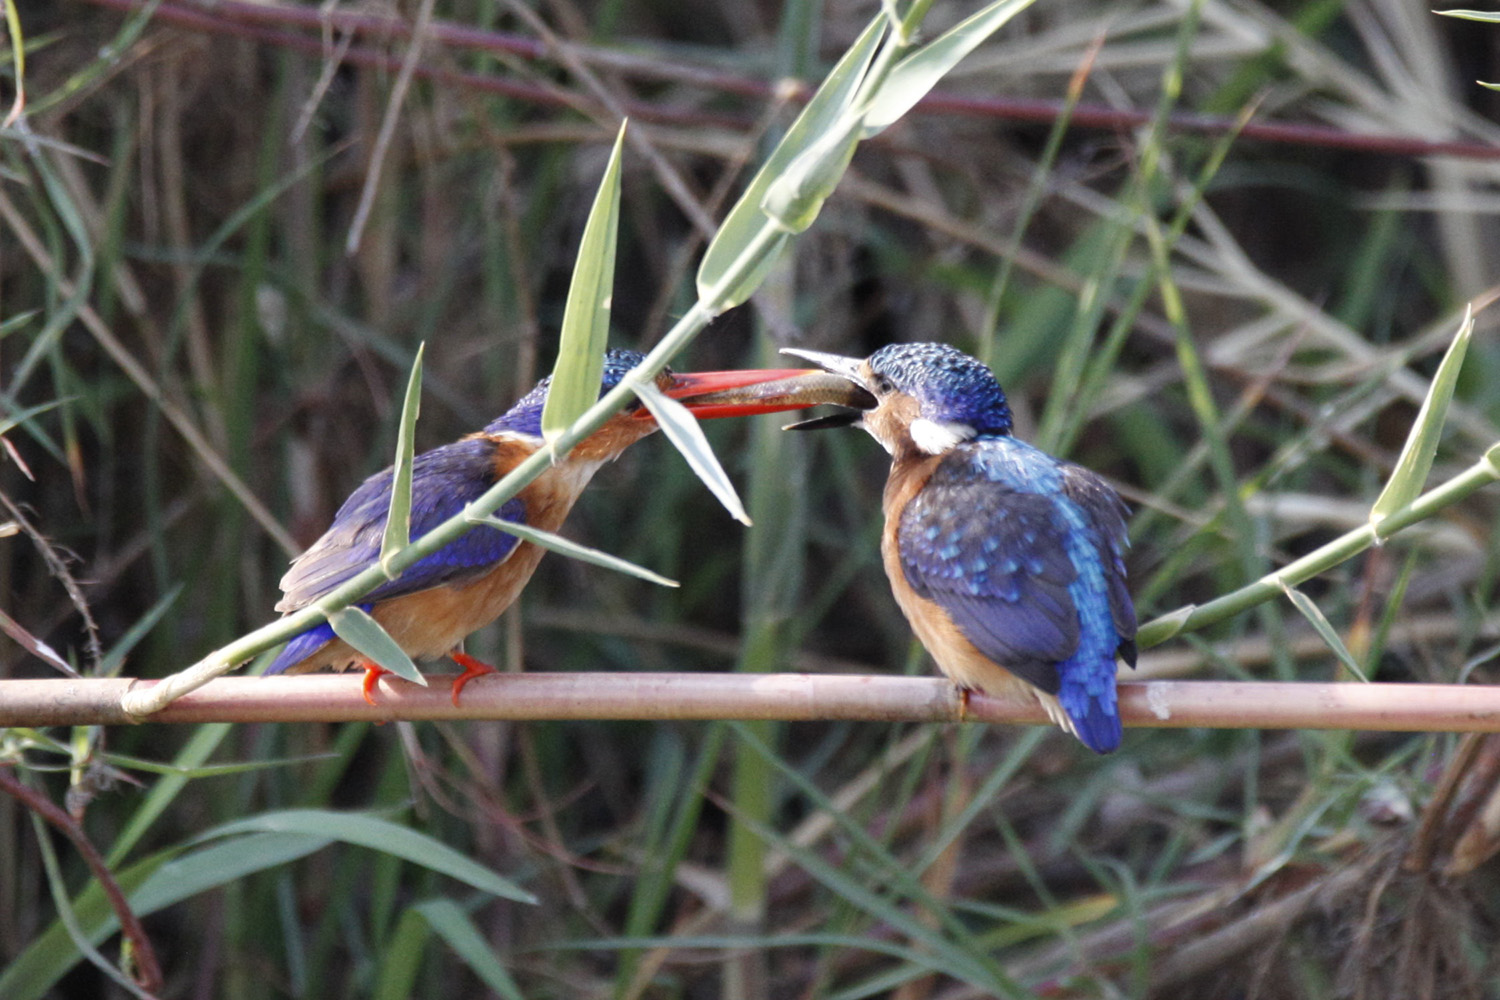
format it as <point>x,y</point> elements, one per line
<point>137,373</point>
<point>668,176</point>
<point>262,22</point>
<point>59,569</point>
<point>378,151</point>
<point>144,956</point>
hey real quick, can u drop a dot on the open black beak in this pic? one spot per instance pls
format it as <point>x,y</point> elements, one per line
<point>851,392</point>
<point>843,418</point>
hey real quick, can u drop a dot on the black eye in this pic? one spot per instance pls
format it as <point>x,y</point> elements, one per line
<point>883,384</point>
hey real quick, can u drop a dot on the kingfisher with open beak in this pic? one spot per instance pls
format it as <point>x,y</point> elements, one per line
<point>435,603</point>
<point>1008,563</point>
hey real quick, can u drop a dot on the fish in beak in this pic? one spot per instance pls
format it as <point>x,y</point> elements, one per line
<point>842,383</point>
<point>768,390</point>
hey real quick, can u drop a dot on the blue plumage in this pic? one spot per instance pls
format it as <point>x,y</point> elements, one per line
<point>525,417</point>
<point>948,385</point>
<point>1019,552</point>
<point>306,644</point>
<point>444,480</point>
<point>1022,567</point>
<point>435,604</point>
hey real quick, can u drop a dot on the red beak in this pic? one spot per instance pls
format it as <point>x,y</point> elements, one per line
<point>738,394</point>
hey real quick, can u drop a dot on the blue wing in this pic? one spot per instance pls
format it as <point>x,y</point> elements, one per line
<point>990,540</point>
<point>443,481</point>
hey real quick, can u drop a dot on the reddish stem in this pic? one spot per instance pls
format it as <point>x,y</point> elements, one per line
<point>260,22</point>
<point>148,970</point>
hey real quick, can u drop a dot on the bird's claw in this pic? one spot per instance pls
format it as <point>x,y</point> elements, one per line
<point>472,668</point>
<point>372,676</point>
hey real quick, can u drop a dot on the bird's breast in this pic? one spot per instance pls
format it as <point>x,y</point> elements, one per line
<point>956,655</point>
<point>432,622</point>
<point>958,658</point>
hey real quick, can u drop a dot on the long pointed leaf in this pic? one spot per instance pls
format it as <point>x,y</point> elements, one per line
<point>744,223</point>
<point>381,835</point>
<point>151,885</point>
<point>454,926</point>
<point>1410,474</point>
<point>21,416</point>
<point>918,73</point>
<point>398,519</point>
<point>364,633</point>
<point>125,761</point>
<point>558,543</point>
<point>585,325</point>
<point>1325,629</point>
<point>401,958</point>
<point>57,885</point>
<point>682,429</point>
<point>794,199</point>
<point>17,321</point>
<point>216,865</point>
<point>1472,15</point>
<point>36,647</point>
<point>115,658</point>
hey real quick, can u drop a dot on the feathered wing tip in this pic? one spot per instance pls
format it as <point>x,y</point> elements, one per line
<point>301,647</point>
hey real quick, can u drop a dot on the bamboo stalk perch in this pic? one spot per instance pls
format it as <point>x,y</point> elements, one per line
<point>791,697</point>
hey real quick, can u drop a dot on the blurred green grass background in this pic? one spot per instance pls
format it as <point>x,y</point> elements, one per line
<point>173,226</point>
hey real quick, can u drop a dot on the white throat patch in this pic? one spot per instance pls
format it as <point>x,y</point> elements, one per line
<point>529,440</point>
<point>935,438</point>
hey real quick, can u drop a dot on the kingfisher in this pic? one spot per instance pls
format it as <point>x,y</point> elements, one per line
<point>1008,563</point>
<point>465,585</point>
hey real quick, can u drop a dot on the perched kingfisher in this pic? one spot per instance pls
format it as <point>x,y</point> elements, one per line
<point>435,603</point>
<point>1007,562</point>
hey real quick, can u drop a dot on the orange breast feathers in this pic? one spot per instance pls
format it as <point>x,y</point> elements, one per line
<point>431,622</point>
<point>954,654</point>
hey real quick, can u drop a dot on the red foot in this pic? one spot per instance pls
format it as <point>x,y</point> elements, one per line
<point>472,668</point>
<point>963,704</point>
<point>372,675</point>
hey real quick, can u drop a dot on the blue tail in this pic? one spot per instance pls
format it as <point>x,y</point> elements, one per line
<point>1087,678</point>
<point>1087,695</point>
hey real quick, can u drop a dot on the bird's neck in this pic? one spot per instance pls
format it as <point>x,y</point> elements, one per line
<point>910,470</point>
<point>606,444</point>
<point>560,484</point>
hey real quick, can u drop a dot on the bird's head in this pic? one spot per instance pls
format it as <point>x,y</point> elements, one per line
<point>927,397</point>
<point>707,395</point>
